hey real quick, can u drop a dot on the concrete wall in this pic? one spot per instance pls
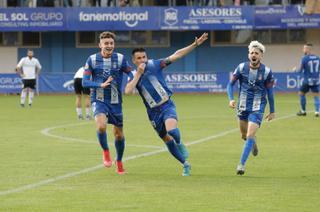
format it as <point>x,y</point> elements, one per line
<point>8,59</point>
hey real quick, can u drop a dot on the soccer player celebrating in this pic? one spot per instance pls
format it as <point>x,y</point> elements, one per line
<point>103,74</point>
<point>256,81</point>
<point>310,69</point>
<point>151,85</point>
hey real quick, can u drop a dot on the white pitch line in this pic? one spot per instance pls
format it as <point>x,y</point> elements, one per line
<point>46,132</point>
<point>91,169</point>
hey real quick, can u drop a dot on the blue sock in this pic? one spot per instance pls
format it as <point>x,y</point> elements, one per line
<point>119,144</point>
<point>303,102</point>
<point>316,103</point>
<point>175,134</point>
<point>102,137</point>
<point>246,150</point>
<point>174,151</point>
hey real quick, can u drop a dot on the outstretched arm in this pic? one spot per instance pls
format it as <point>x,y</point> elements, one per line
<point>186,50</point>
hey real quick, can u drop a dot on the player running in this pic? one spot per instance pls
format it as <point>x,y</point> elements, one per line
<point>103,74</point>
<point>256,81</point>
<point>151,85</point>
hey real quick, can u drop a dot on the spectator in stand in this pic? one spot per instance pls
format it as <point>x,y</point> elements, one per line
<point>96,3</point>
<point>67,3</point>
<point>110,3</point>
<point>123,3</point>
<point>297,1</point>
<point>12,3</point>
<point>244,2</point>
<point>312,7</point>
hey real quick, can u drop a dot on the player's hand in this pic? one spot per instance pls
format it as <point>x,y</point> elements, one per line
<point>294,69</point>
<point>141,68</point>
<point>232,104</point>
<point>199,41</point>
<point>107,82</point>
<point>270,116</point>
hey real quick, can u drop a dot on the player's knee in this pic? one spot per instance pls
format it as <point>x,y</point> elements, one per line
<point>101,128</point>
<point>244,136</point>
<point>250,136</point>
<point>118,137</point>
<point>167,138</point>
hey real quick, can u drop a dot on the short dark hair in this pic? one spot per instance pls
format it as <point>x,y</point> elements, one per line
<point>140,49</point>
<point>308,44</point>
<point>107,34</point>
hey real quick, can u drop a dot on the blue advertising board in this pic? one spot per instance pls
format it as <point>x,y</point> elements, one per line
<point>206,18</point>
<point>128,18</point>
<point>156,18</point>
<point>178,82</point>
<point>278,17</point>
<point>36,19</point>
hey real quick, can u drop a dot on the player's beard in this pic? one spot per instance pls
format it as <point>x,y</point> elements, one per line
<point>254,64</point>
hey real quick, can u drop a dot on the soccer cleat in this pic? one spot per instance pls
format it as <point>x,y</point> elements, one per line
<point>80,117</point>
<point>30,105</point>
<point>88,117</point>
<point>183,150</point>
<point>107,159</point>
<point>240,169</point>
<point>186,169</point>
<point>300,113</point>
<point>120,170</point>
<point>22,105</point>
<point>316,114</point>
<point>255,149</point>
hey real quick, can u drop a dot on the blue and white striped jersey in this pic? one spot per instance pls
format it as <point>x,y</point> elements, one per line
<point>152,86</point>
<point>310,69</point>
<point>253,85</point>
<point>99,69</point>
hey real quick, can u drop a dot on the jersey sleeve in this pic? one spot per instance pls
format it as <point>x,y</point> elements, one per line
<point>20,64</point>
<point>88,67</point>
<point>131,75</point>
<point>162,63</point>
<point>38,65</point>
<point>269,80</point>
<point>125,66</point>
<point>86,80</point>
<point>302,65</point>
<point>235,75</point>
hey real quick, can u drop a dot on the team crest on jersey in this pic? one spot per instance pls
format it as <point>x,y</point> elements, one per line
<point>260,77</point>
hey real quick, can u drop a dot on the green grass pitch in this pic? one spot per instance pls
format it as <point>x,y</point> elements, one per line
<point>50,161</point>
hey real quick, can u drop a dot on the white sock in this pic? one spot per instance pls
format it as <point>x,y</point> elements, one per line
<point>88,111</point>
<point>79,111</point>
<point>23,97</point>
<point>31,94</point>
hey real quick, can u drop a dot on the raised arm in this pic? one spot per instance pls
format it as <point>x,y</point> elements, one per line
<point>186,50</point>
<point>132,84</point>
